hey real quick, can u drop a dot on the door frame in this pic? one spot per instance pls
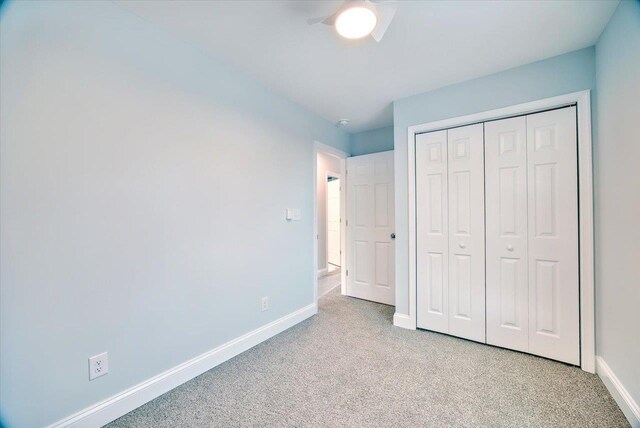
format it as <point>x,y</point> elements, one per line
<point>582,100</point>
<point>319,147</point>
<point>338,175</point>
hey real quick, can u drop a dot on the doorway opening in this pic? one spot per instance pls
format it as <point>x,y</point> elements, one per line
<point>334,248</point>
<point>330,218</point>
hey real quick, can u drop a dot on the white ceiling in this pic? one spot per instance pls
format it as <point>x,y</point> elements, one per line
<point>429,44</point>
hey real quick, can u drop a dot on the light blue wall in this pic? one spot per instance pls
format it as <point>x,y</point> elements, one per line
<point>617,199</point>
<point>559,75</point>
<point>373,141</point>
<point>143,189</point>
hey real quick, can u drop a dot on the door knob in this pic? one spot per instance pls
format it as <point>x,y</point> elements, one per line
<point>393,236</point>
<point>462,245</point>
<point>510,247</point>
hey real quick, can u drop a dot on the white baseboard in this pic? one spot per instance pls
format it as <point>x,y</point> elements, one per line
<point>404,321</point>
<point>619,393</point>
<point>322,272</point>
<point>132,398</point>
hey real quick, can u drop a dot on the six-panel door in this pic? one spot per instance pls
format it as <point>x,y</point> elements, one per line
<point>370,224</point>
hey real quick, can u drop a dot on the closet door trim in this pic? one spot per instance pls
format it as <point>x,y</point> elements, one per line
<point>582,101</point>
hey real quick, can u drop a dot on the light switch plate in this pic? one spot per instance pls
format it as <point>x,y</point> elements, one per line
<point>293,214</point>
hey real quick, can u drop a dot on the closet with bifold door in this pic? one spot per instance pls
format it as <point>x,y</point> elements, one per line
<point>497,233</point>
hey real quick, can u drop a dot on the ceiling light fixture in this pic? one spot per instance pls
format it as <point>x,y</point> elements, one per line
<point>357,20</point>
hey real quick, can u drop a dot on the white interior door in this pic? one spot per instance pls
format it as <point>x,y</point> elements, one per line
<point>506,233</point>
<point>554,324</point>
<point>466,232</point>
<point>370,223</point>
<point>333,222</point>
<point>432,240</point>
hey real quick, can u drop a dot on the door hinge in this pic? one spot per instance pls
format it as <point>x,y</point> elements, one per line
<point>347,272</point>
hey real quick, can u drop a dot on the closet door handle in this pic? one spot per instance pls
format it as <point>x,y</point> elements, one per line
<point>510,247</point>
<point>462,245</point>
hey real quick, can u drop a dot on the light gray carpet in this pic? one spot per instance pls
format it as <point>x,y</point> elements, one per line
<point>328,283</point>
<point>349,367</point>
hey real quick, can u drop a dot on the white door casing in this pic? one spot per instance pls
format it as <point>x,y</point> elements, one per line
<point>466,232</point>
<point>370,223</point>
<point>506,233</point>
<point>554,328</point>
<point>333,222</point>
<point>432,240</point>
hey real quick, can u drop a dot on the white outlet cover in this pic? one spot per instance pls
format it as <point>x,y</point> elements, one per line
<point>265,303</point>
<point>98,365</point>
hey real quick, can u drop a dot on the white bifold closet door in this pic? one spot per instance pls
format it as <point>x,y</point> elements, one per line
<point>554,286</point>
<point>432,240</point>
<point>532,234</point>
<point>450,241</point>
<point>507,254</point>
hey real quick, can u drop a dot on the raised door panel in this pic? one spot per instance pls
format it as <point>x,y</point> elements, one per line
<point>553,235</point>
<point>465,165</point>
<point>384,226</point>
<point>370,222</point>
<point>360,224</point>
<point>506,233</point>
<point>432,231</point>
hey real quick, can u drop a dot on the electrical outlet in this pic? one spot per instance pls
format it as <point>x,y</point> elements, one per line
<point>265,304</point>
<point>98,365</point>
